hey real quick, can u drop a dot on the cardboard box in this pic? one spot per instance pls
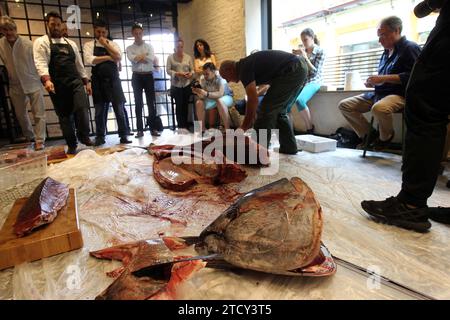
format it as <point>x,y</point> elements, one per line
<point>313,143</point>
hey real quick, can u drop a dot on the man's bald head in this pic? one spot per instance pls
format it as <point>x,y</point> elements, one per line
<point>228,71</point>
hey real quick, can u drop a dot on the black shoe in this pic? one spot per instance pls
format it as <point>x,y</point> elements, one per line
<point>87,142</point>
<point>124,140</point>
<point>139,134</point>
<point>71,150</point>
<point>99,141</point>
<point>310,131</point>
<point>283,151</point>
<point>156,133</point>
<point>379,145</point>
<point>439,214</point>
<point>374,134</point>
<point>392,211</point>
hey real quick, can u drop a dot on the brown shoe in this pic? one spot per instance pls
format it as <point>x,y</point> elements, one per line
<point>156,133</point>
<point>139,134</point>
<point>39,145</point>
<point>380,145</point>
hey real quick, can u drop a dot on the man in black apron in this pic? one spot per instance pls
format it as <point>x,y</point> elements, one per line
<point>103,55</point>
<point>62,72</point>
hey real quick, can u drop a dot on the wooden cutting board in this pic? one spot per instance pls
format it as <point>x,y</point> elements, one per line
<point>62,235</point>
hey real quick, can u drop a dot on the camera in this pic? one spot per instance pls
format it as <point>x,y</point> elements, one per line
<point>196,84</point>
<point>424,8</point>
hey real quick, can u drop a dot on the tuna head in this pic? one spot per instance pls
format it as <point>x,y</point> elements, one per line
<point>276,227</point>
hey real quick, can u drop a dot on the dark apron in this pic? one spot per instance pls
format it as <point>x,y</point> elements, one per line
<point>65,77</point>
<point>106,84</point>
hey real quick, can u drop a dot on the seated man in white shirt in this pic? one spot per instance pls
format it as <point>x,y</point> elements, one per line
<point>62,72</point>
<point>16,53</point>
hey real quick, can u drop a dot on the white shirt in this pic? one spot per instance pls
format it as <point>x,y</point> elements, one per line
<point>88,51</point>
<point>42,53</point>
<point>88,54</point>
<point>19,62</point>
<point>174,66</point>
<point>137,50</point>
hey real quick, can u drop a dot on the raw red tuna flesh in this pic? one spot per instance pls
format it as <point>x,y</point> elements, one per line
<point>42,206</point>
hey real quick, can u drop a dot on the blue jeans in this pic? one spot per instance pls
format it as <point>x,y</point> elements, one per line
<point>308,91</point>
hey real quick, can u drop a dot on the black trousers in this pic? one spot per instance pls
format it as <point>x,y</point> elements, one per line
<point>147,83</point>
<point>181,97</point>
<point>101,117</point>
<point>75,123</point>
<point>78,122</point>
<point>272,113</point>
<point>426,113</point>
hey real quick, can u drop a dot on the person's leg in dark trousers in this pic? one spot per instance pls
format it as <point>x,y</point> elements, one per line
<point>426,122</point>
<point>120,117</point>
<point>67,125</point>
<point>81,110</point>
<point>187,92</point>
<point>127,120</point>
<point>66,120</point>
<point>101,114</point>
<point>273,113</point>
<point>181,97</point>
<point>149,88</point>
<point>138,86</point>
<point>178,98</point>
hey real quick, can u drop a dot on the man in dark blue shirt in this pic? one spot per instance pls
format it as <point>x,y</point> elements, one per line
<point>286,74</point>
<point>427,111</point>
<point>389,85</point>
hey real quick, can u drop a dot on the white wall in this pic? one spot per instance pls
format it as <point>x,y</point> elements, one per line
<point>253,25</point>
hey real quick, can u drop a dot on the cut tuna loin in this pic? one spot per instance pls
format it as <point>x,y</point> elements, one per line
<point>178,173</point>
<point>240,149</point>
<point>42,206</point>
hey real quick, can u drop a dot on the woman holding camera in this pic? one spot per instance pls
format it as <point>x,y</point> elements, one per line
<point>180,68</point>
<point>212,94</point>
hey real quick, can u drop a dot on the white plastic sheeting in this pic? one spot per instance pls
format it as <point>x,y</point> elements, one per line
<point>119,201</point>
